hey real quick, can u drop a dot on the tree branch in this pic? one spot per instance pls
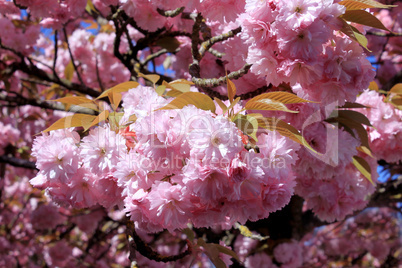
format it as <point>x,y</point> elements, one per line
<point>384,34</point>
<point>206,45</point>
<point>20,100</point>
<point>214,82</point>
<point>39,73</point>
<point>147,251</point>
<point>16,162</point>
<point>170,13</point>
<point>55,54</point>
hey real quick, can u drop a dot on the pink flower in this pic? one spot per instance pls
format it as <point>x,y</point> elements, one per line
<point>57,156</point>
<point>100,150</point>
<point>303,43</point>
<point>169,206</point>
<point>298,13</point>
<point>141,101</point>
<point>222,10</point>
<point>386,134</point>
<point>213,138</point>
<point>208,183</point>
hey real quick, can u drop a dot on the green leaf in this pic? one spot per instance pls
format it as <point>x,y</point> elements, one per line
<point>227,251</point>
<point>79,101</point>
<point>280,96</point>
<point>397,102</point>
<point>397,89</point>
<point>363,4</point>
<point>114,119</point>
<point>248,124</point>
<point>283,128</point>
<point>353,33</point>
<point>76,120</point>
<point>160,90</point>
<point>349,105</point>
<point>373,86</point>
<point>177,88</point>
<point>212,251</point>
<point>69,71</point>
<point>122,87</point>
<point>363,167</point>
<point>267,104</point>
<point>114,98</point>
<point>221,104</point>
<point>90,7</point>
<point>189,233</point>
<point>231,89</point>
<point>100,118</point>
<point>365,150</point>
<point>234,103</point>
<point>363,17</point>
<point>355,116</point>
<point>197,99</point>
<point>350,126</point>
<point>150,77</point>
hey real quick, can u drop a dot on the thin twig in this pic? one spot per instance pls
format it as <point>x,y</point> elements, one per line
<point>97,74</point>
<point>55,53</point>
<point>72,58</point>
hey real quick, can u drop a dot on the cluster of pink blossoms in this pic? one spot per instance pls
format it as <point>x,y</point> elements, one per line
<point>297,42</point>
<point>181,166</point>
<point>386,134</point>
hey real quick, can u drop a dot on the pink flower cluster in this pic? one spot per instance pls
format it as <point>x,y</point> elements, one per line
<point>330,184</point>
<point>190,166</point>
<point>80,176</point>
<point>184,166</point>
<point>386,134</point>
<point>297,42</point>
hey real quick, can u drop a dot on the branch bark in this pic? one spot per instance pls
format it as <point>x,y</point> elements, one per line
<point>17,162</point>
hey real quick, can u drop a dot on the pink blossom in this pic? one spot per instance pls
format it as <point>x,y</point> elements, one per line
<point>222,10</point>
<point>213,137</point>
<point>207,183</point>
<point>386,134</point>
<point>100,150</point>
<point>169,206</point>
<point>57,156</point>
<point>141,101</point>
<point>298,13</point>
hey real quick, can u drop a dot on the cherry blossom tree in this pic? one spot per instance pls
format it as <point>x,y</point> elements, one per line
<point>200,133</point>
